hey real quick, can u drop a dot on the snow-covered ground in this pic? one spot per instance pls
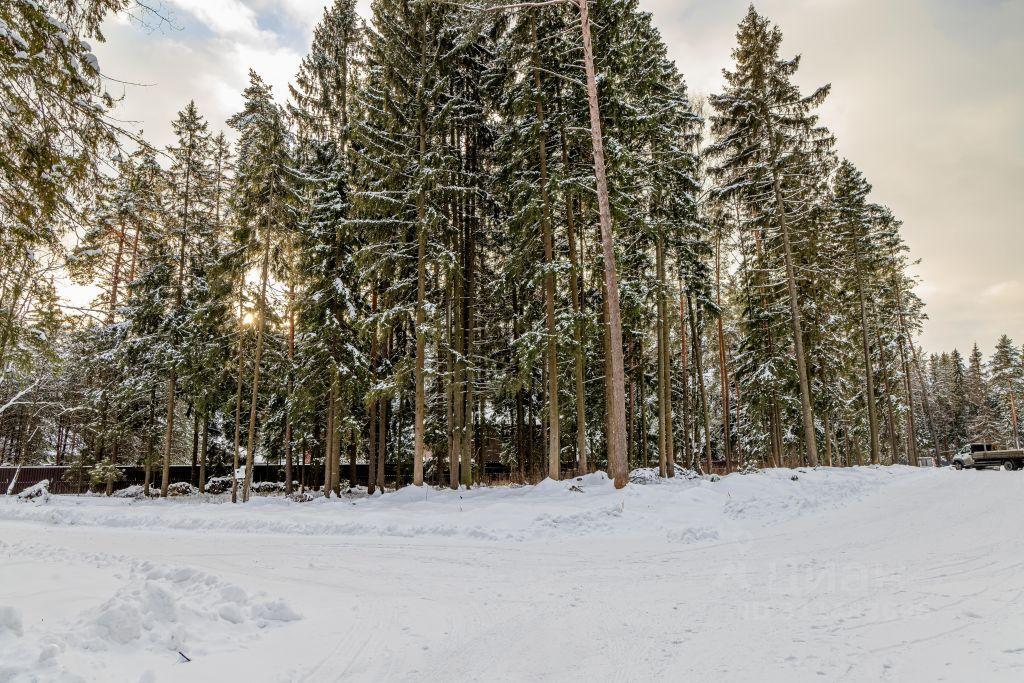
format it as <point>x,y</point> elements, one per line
<point>859,574</point>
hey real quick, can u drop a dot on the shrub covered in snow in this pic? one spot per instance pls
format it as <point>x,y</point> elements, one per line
<point>650,475</point>
<point>217,485</point>
<point>182,488</point>
<point>133,491</point>
<point>267,487</point>
<point>40,491</point>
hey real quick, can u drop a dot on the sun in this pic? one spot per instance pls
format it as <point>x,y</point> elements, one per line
<point>248,319</point>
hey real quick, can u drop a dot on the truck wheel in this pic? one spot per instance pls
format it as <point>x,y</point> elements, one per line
<point>958,465</point>
<point>1009,465</point>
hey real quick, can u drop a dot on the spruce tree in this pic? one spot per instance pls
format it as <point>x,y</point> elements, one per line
<point>767,140</point>
<point>263,181</point>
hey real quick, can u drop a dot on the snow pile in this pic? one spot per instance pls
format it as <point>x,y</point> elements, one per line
<point>687,508</point>
<point>157,613</point>
<point>10,622</point>
<point>40,491</point>
<point>133,491</point>
<point>650,475</point>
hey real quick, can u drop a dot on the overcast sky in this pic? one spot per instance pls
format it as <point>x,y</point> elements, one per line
<point>928,100</point>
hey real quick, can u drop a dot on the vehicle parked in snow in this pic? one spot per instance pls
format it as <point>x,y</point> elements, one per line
<point>980,456</point>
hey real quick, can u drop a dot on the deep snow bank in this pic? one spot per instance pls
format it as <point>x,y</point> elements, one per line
<point>682,510</point>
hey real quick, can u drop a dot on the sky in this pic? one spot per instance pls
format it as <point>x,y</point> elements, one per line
<point>927,101</point>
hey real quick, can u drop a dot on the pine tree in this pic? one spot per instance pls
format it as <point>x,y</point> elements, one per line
<point>190,180</point>
<point>262,195</point>
<point>767,139</point>
<point>1007,382</point>
<point>980,423</point>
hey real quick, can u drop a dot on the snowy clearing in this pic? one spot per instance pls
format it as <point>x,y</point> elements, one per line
<point>841,574</point>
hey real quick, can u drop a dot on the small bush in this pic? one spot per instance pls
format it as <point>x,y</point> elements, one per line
<point>40,491</point>
<point>182,488</point>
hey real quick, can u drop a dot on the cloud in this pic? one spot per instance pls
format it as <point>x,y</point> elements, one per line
<point>205,57</point>
<point>927,101</point>
<point>224,17</point>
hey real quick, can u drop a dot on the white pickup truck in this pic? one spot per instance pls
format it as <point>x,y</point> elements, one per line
<point>980,456</point>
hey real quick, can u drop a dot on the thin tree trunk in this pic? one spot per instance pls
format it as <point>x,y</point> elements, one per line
<point>288,466</point>
<point>699,370</point>
<point>172,381</point>
<point>194,469</point>
<point>794,310</point>
<point>887,386</point>
<point>685,372</point>
<point>329,435</point>
<point>250,449</point>
<point>554,440</point>
<point>664,437</point>
<point>165,480</point>
<point>869,395</point>
<point>421,317</point>
<point>1013,417</point>
<point>723,367</point>
<point>116,276</point>
<point>148,458</point>
<point>469,304</point>
<point>904,337</point>
<point>338,436</point>
<point>203,452</point>
<point>238,388</point>
<point>670,456</point>
<point>574,286</point>
<point>382,443</point>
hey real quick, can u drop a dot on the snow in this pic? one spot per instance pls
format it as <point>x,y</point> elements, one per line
<point>858,574</point>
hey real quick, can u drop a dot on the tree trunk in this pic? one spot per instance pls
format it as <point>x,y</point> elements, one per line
<point>238,388</point>
<point>421,317</point>
<point>204,452</point>
<point>615,379</point>
<point>869,395</point>
<point>194,470</point>
<point>469,303</point>
<point>554,440</point>
<point>723,367</point>
<point>794,310</point>
<point>337,437</point>
<point>664,437</point>
<point>172,381</point>
<point>685,372</point>
<point>574,286</point>
<point>1013,417</point>
<point>887,386</point>
<point>165,480</point>
<point>382,443</point>
<point>904,338</point>
<point>699,371</point>
<point>329,435</point>
<point>250,448</point>
<point>288,466</point>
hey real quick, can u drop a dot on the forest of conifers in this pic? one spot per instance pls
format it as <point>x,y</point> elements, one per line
<point>468,234</point>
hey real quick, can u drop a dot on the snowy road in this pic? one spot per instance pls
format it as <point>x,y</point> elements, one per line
<point>855,575</point>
